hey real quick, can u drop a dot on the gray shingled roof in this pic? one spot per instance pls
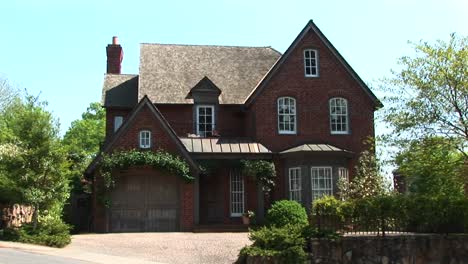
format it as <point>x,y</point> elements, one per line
<point>120,90</point>
<point>168,72</point>
<point>315,148</point>
<point>223,145</point>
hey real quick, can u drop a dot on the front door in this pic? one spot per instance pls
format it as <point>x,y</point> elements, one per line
<point>211,199</point>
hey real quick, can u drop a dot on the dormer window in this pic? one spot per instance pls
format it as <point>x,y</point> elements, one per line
<point>118,120</point>
<point>310,63</point>
<point>205,120</point>
<point>145,139</point>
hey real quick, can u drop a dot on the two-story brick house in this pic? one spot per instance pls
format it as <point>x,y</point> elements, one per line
<point>306,110</point>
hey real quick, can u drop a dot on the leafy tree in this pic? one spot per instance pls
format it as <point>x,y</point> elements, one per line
<point>433,166</point>
<point>38,170</point>
<point>7,94</point>
<point>83,139</point>
<point>429,96</point>
<point>368,180</point>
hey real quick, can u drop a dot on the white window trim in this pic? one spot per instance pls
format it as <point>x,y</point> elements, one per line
<point>242,191</point>
<point>212,119</point>
<point>286,132</point>
<point>330,116</point>
<point>291,190</point>
<point>140,134</point>
<point>343,173</point>
<point>118,121</point>
<point>312,182</point>
<point>316,63</point>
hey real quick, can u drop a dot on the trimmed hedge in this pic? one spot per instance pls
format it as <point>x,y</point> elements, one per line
<point>286,212</point>
<point>396,212</point>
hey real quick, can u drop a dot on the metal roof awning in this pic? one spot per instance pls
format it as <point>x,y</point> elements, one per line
<point>223,145</point>
<point>317,148</point>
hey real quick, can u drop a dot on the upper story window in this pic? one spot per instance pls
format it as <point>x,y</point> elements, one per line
<point>145,139</point>
<point>295,184</point>
<point>310,63</point>
<point>286,115</point>
<point>118,120</point>
<point>339,116</point>
<point>321,179</point>
<point>205,120</point>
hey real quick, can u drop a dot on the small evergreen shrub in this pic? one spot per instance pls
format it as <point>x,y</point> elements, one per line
<point>52,233</point>
<point>285,244</point>
<point>286,212</point>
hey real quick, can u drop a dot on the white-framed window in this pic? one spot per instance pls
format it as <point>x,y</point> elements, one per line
<point>205,120</point>
<point>145,139</point>
<point>295,184</point>
<point>311,63</point>
<point>118,120</point>
<point>237,193</point>
<point>343,173</point>
<point>286,115</point>
<point>339,116</point>
<point>321,181</point>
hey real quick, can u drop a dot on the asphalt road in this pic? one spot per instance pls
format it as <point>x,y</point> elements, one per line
<point>16,256</point>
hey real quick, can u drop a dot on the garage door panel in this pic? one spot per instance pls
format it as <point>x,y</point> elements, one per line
<point>145,203</point>
<point>124,220</point>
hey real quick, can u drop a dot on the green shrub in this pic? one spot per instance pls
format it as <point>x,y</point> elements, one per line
<point>284,243</point>
<point>414,213</point>
<point>53,233</point>
<point>286,212</point>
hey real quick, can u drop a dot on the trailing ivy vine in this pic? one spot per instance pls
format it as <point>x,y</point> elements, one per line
<point>159,160</point>
<point>263,170</point>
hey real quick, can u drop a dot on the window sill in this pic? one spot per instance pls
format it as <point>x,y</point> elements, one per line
<point>287,133</point>
<point>236,215</point>
<point>339,133</point>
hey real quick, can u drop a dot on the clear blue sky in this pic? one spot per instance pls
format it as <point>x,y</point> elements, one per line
<point>57,48</point>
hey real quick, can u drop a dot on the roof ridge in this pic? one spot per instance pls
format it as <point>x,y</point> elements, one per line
<point>123,74</point>
<point>208,45</point>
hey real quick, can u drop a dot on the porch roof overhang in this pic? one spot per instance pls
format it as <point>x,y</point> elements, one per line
<point>225,148</point>
<point>318,149</point>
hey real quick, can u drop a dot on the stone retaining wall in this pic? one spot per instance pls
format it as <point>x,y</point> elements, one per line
<point>417,248</point>
<point>16,215</point>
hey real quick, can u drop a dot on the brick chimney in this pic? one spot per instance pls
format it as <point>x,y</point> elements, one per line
<point>114,56</point>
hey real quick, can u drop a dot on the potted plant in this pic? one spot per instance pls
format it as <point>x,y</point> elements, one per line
<point>247,216</point>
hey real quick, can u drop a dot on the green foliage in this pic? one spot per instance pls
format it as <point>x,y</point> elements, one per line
<point>428,96</point>
<point>416,213</point>
<point>286,244</point>
<point>159,160</point>
<point>263,170</point>
<point>7,94</point>
<point>82,142</point>
<point>368,181</point>
<point>433,166</point>
<point>37,171</point>
<point>286,212</point>
<point>52,233</point>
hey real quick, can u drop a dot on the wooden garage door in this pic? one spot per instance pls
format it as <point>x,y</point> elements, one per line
<point>145,203</point>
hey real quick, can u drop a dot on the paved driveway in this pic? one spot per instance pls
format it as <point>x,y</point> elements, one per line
<point>151,247</point>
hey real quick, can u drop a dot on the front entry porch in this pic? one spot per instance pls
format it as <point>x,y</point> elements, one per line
<point>225,194</point>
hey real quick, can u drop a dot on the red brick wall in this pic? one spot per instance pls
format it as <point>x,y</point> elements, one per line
<point>312,96</point>
<point>230,119</point>
<point>145,120</point>
<point>187,204</point>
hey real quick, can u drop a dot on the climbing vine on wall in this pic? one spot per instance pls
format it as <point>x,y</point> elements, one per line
<point>159,160</point>
<point>263,170</point>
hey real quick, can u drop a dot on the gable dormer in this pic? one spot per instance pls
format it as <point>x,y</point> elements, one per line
<point>205,92</point>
